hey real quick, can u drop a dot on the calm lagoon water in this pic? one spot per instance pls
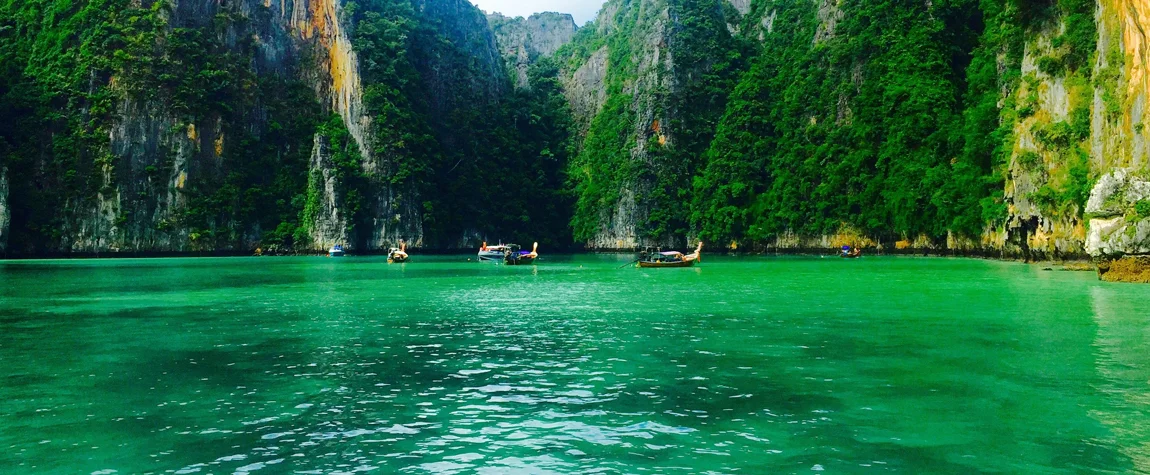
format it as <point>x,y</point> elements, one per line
<point>742,365</point>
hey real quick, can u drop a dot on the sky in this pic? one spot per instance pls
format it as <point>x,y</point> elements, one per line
<point>583,10</point>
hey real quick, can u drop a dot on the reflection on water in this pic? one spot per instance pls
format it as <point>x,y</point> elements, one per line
<point>750,365</point>
<point>1123,344</point>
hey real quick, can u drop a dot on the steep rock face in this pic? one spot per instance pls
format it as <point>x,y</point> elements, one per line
<point>522,41</point>
<point>330,221</point>
<point>641,97</point>
<point>454,55</point>
<point>5,216</point>
<point>1081,131</point>
<point>1069,113</point>
<point>159,157</point>
<point>207,133</point>
<point>337,77</point>
<point>741,6</point>
<point>586,87</point>
<point>316,23</point>
<point>204,117</point>
<point>633,97</point>
<point>1037,227</point>
<point>467,28</point>
<point>1119,209</point>
<point>1119,206</point>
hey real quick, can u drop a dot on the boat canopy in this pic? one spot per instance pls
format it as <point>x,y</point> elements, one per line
<point>671,253</point>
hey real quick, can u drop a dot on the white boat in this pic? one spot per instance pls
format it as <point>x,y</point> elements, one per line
<point>336,251</point>
<point>493,253</point>
<point>398,255</point>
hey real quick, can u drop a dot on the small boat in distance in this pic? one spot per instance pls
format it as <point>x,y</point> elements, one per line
<point>516,257</point>
<point>658,259</point>
<point>336,251</point>
<point>851,252</point>
<point>398,255</point>
<point>492,253</point>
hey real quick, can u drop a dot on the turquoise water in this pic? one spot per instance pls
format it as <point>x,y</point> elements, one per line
<point>742,365</point>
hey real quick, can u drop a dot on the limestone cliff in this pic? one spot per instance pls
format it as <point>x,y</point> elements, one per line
<point>202,138</point>
<point>466,27</point>
<point>522,41</point>
<point>1119,206</point>
<point>197,125</point>
<point>5,218</point>
<point>622,95</point>
<point>1072,119</point>
<point>1110,152</point>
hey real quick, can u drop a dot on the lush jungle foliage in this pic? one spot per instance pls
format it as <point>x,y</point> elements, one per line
<point>71,70</point>
<point>482,157</point>
<point>476,155</point>
<point>893,117</point>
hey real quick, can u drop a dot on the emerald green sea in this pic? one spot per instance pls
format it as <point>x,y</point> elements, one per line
<point>751,365</point>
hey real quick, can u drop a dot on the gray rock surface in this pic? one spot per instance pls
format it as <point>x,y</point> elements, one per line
<point>157,155</point>
<point>5,214</point>
<point>829,15</point>
<point>586,88</point>
<point>654,82</point>
<point>743,6</point>
<point>1116,228</point>
<point>330,224</point>
<point>522,40</point>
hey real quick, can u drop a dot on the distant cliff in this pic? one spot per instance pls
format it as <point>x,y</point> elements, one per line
<point>199,125</point>
<point>5,217</point>
<point>523,41</point>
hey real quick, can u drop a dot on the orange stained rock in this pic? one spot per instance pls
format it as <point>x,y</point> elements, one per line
<point>1135,15</point>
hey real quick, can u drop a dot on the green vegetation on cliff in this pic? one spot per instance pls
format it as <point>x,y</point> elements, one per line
<point>895,118</point>
<point>479,163</point>
<point>74,71</point>
<point>172,127</point>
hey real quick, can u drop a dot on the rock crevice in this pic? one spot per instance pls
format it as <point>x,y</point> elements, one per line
<point>5,213</point>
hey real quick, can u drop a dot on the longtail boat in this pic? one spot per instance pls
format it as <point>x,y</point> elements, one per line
<point>492,253</point>
<point>659,259</point>
<point>398,255</point>
<point>515,257</point>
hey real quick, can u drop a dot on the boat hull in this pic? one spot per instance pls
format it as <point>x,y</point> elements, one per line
<point>666,265</point>
<point>491,255</point>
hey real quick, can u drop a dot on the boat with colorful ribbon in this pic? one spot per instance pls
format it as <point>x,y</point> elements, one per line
<point>517,257</point>
<point>510,254</point>
<point>398,255</point>
<point>657,259</point>
<point>492,253</point>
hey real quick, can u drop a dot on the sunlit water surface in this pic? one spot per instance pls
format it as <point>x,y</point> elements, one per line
<point>748,365</point>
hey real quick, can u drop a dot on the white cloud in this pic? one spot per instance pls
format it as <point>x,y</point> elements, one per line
<point>583,10</point>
